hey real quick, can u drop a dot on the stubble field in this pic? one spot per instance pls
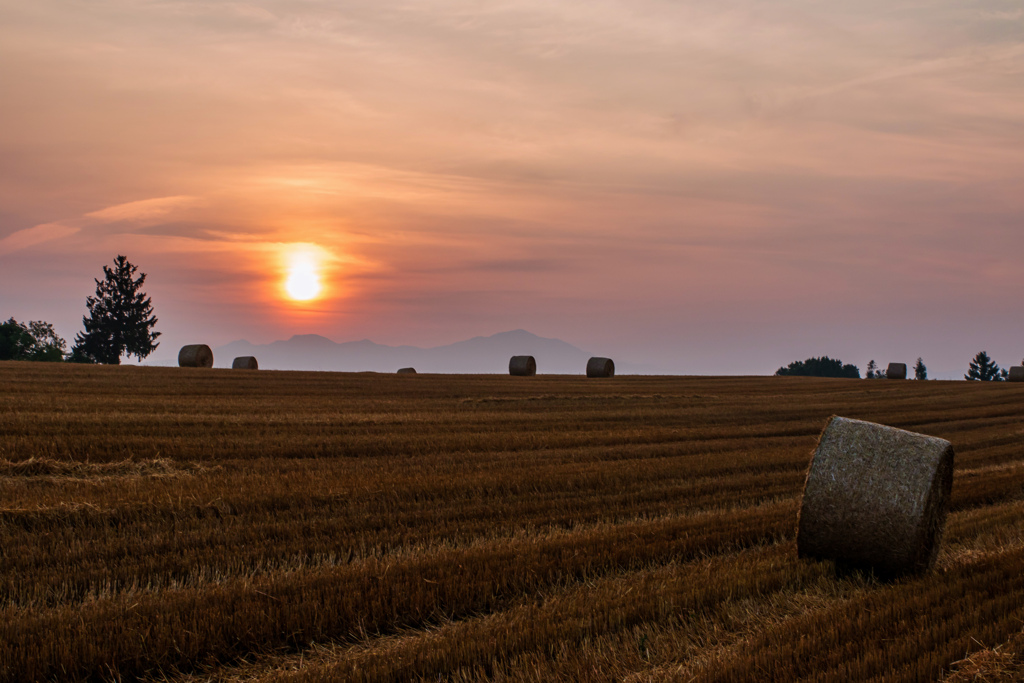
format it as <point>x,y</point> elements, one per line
<point>186,525</point>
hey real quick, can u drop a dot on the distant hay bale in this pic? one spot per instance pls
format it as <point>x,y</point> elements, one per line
<point>406,371</point>
<point>195,356</point>
<point>600,367</point>
<point>1016,374</point>
<point>245,363</point>
<point>875,498</point>
<point>522,366</point>
<point>896,371</point>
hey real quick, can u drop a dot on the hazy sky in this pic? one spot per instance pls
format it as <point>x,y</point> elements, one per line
<point>707,187</point>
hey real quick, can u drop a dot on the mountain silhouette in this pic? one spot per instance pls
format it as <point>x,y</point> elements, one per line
<point>479,355</point>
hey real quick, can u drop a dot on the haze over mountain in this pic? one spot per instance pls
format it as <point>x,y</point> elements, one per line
<point>478,355</point>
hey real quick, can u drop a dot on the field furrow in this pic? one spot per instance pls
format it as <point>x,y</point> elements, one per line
<point>170,523</point>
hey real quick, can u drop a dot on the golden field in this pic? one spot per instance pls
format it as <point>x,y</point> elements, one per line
<point>186,525</point>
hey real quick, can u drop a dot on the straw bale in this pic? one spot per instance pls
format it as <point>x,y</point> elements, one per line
<point>875,498</point>
<point>1016,374</point>
<point>600,367</point>
<point>522,366</point>
<point>245,363</point>
<point>195,356</point>
<point>406,371</point>
<point>896,371</point>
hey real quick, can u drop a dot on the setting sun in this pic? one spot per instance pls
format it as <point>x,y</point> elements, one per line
<point>303,281</point>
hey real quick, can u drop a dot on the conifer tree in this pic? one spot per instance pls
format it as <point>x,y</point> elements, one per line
<point>984,369</point>
<point>920,371</point>
<point>120,319</point>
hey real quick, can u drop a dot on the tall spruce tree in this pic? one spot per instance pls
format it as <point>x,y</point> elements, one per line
<point>920,371</point>
<point>120,319</point>
<point>984,369</point>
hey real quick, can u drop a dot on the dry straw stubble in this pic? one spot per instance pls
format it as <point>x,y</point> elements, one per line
<point>875,498</point>
<point>896,371</point>
<point>195,356</point>
<point>600,367</point>
<point>50,469</point>
<point>245,363</point>
<point>522,366</point>
<point>226,567</point>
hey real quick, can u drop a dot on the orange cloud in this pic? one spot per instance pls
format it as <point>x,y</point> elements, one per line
<point>29,237</point>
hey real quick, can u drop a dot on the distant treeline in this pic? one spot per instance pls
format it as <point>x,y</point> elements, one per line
<point>33,341</point>
<point>981,369</point>
<point>819,367</point>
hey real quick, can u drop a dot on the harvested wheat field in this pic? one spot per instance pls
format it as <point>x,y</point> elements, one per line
<point>181,524</point>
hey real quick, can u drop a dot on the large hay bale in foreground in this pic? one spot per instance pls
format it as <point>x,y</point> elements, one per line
<point>406,371</point>
<point>1016,374</point>
<point>195,356</point>
<point>245,363</point>
<point>600,367</point>
<point>896,371</point>
<point>522,366</point>
<point>875,498</point>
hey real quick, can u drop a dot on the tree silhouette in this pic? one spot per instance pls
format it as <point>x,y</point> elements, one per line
<point>35,341</point>
<point>920,371</point>
<point>120,318</point>
<point>872,369</point>
<point>984,369</point>
<point>819,367</point>
<point>15,340</point>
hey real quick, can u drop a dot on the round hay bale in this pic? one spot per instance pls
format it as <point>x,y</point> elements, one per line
<point>896,371</point>
<point>875,498</point>
<point>245,363</point>
<point>600,367</point>
<point>195,356</point>
<point>1016,374</point>
<point>522,366</point>
<point>406,371</point>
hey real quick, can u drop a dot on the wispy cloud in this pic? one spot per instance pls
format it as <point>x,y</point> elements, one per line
<point>142,211</point>
<point>22,239</point>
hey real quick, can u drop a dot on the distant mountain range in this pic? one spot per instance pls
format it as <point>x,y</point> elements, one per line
<point>479,355</point>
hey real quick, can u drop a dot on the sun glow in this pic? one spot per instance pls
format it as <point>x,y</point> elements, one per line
<point>303,281</point>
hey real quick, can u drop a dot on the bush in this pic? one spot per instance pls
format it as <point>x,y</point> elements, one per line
<point>819,367</point>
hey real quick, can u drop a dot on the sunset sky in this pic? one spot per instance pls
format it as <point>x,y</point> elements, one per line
<point>703,187</point>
